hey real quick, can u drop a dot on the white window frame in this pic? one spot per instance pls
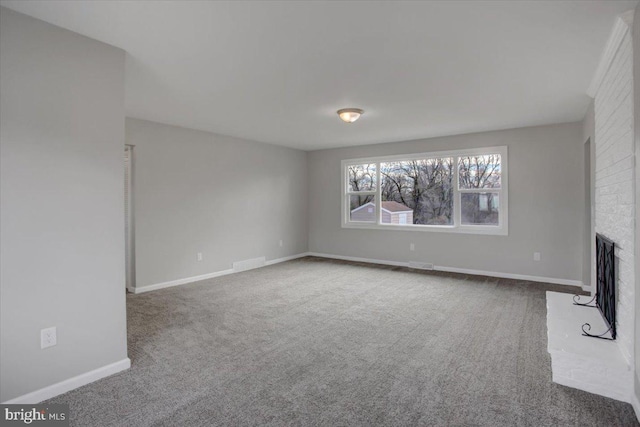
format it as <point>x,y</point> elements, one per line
<point>501,229</point>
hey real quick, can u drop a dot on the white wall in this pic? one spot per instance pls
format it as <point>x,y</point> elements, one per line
<point>614,198</point>
<point>546,207</point>
<point>61,174</point>
<point>228,198</point>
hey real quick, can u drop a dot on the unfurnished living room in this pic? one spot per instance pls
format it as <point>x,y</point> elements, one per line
<point>319,213</point>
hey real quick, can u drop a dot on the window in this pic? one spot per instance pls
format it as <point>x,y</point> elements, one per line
<point>455,191</point>
<point>476,175</point>
<point>361,184</point>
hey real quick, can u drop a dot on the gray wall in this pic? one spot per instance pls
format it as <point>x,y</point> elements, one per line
<point>636,120</point>
<point>228,198</point>
<point>61,170</point>
<point>546,207</point>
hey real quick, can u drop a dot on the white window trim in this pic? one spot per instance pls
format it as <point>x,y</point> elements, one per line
<point>502,229</point>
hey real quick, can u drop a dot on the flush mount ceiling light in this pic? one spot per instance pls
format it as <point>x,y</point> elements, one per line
<point>350,115</point>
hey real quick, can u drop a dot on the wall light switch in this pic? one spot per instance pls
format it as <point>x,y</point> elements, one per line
<point>412,247</point>
<point>199,256</point>
<point>280,243</point>
<point>536,256</point>
<point>48,337</point>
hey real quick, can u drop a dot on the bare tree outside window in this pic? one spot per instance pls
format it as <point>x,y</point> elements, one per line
<point>474,173</point>
<point>362,178</point>
<point>423,185</point>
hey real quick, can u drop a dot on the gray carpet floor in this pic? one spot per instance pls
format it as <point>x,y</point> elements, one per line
<point>325,343</point>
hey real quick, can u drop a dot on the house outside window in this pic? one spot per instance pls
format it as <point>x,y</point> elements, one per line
<point>455,191</point>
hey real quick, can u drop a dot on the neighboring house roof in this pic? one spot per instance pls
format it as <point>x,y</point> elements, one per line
<point>395,207</point>
<point>360,207</point>
<point>391,207</point>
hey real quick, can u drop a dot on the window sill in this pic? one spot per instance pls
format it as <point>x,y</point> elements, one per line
<point>463,229</point>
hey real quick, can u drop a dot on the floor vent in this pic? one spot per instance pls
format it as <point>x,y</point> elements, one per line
<point>421,265</point>
<point>248,264</point>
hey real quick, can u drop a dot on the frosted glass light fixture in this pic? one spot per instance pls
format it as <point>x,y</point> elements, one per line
<point>350,115</point>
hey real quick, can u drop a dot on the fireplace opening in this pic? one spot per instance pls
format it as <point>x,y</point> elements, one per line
<point>605,297</point>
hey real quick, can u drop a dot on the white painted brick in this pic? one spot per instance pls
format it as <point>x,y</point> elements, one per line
<point>621,157</point>
<point>625,197</point>
<point>618,125</point>
<point>616,159</point>
<point>626,271</point>
<point>615,188</point>
<point>626,256</point>
<point>623,210</point>
<point>608,200</point>
<point>614,181</point>
<point>618,177</point>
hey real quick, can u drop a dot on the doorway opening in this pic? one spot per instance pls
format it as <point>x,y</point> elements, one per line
<point>588,270</point>
<point>128,219</point>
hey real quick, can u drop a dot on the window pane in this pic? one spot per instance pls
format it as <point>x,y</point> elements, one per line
<point>421,189</point>
<point>362,208</point>
<point>480,208</point>
<point>361,177</point>
<point>482,171</point>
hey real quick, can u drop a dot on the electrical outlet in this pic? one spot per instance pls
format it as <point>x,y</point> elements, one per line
<point>280,243</point>
<point>412,247</point>
<point>48,337</point>
<point>536,256</point>
<point>199,256</point>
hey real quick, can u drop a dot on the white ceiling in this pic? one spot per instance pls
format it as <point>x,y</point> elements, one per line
<point>277,71</point>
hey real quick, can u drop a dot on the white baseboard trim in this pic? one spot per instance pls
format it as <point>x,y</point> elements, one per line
<point>357,259</point>
<point>178,282</point>
<point>70,384</point>
<point>502,275</point>
<point>287,258</point>
<point>499,274</point>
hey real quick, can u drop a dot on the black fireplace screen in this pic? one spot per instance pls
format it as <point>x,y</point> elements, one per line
<point>606,281</point>
<point>605,298</point>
